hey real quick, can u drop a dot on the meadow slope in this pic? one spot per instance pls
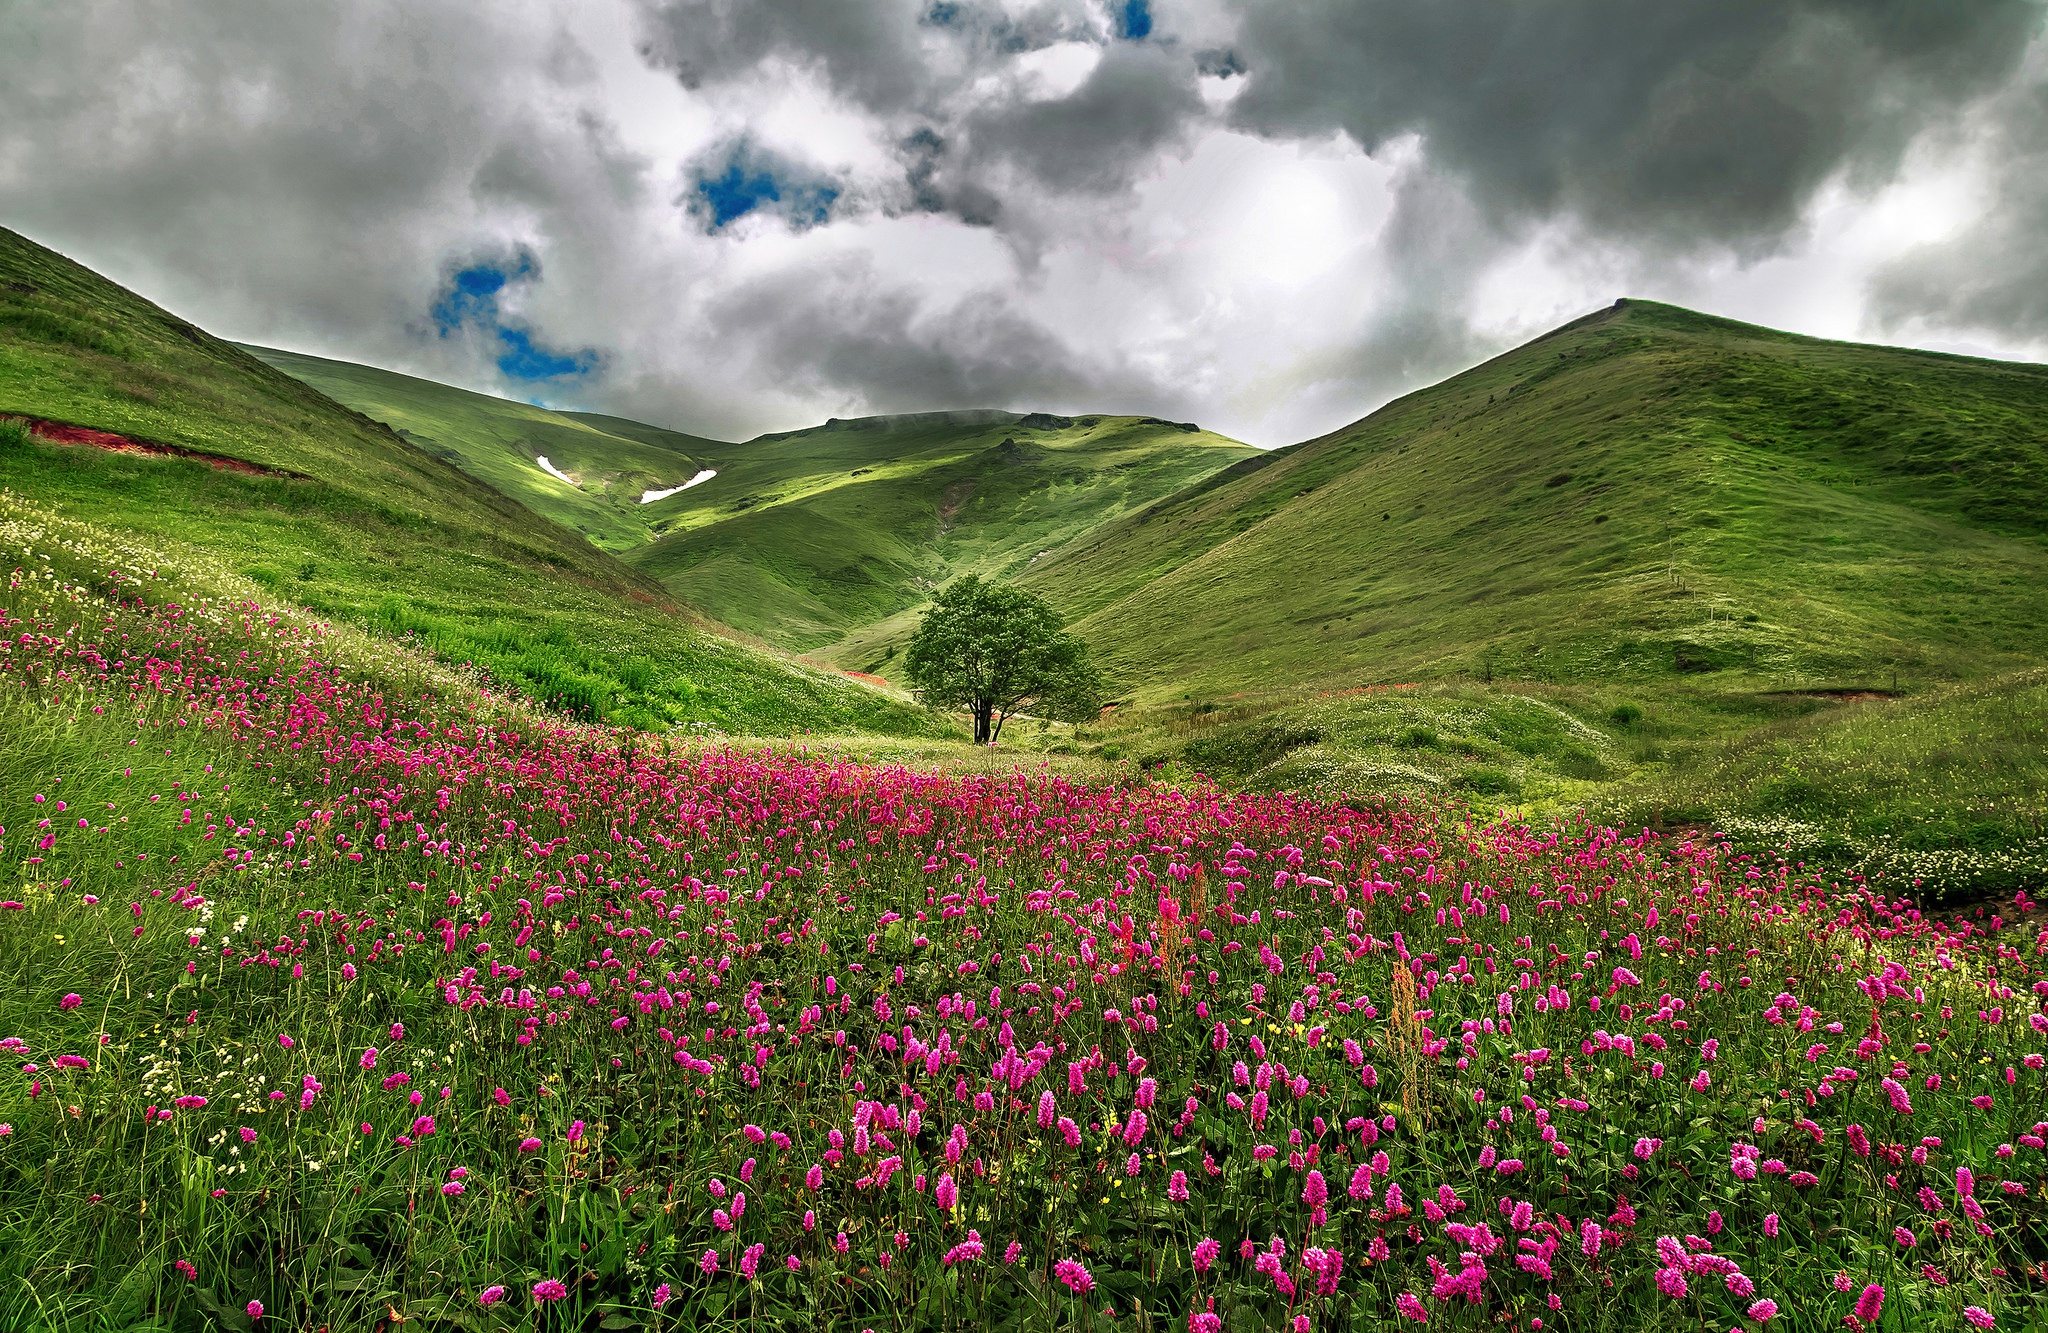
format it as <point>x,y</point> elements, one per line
<point>811,536</point>
<point>1645,493</point>
<point>500,442</point>
<point>332,511</point>
<point>340,994</point>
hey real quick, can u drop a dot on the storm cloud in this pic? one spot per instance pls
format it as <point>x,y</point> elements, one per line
<point>1266,215</point>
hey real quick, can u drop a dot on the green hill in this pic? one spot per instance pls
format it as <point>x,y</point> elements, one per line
<point>808,537</point>
<point>1645,494</point>
<point>501,442</point>
<point>255,475</point>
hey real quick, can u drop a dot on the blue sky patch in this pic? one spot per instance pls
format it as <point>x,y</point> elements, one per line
<point>741,179</point>
<point>737,193</point>
<point>522,360</point>
<point>468,303</point>
<point>1134,20</point>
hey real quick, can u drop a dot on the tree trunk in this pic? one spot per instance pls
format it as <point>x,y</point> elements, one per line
<point>981,721</point>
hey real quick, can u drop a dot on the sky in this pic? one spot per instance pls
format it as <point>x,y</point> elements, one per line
<point>1266,216</point>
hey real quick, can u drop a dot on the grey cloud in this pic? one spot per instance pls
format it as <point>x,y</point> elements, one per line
<point>1413,329</point>
<point>1680,121</point>
<point>307,173</point>
<point>846,334</point>
<point>915,64</point>
<point>1138,100</point>
<point>285,172</point>
<point>868,50</point>
<point>1994,274</point>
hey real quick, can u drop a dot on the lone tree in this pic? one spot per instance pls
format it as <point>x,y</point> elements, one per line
<point>997,651</point>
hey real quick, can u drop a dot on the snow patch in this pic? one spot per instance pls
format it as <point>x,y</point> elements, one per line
<point>649,497</point>
<point>554,471</point>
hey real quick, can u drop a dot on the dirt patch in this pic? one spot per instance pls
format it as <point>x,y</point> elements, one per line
<point>60,432</point>
<point>1843,696</point>
<point>953,500</point>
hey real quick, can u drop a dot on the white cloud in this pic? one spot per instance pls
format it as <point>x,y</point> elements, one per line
<point>1023,211</point>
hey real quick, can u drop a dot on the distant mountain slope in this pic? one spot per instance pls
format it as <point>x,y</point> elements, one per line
<point>807,536</point>
<point>500,442</point>
<point>333,511</point>
<point>1644,491</point>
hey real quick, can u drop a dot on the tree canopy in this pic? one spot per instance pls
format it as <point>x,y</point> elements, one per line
<point>997,651</point>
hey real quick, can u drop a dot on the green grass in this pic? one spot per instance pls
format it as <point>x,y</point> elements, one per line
<point>816,538</point>
<point>1629,567</point>
<point>351,521</point>
<point>346,997</point>
<point>498,441</point>
<point>1947,792</point>
<point>1644,495</point>
<point>812,539</point>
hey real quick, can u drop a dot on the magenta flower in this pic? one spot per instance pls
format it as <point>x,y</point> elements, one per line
<point>1764,1311</point>
<point>946,1194</point>
<point>1177,1187</point>
<point>1870,1304</point>
<point>528,1145</point>
<point>71,1001</point>
<point>1408,1307</point>
<point>1076,1278</point>
<point>549,1289</point>
<point>1978,1316</point>
<point>1205,1252</point>
<point>709,1263</point>
<point>255,1310</point>
<point>490,1296</point>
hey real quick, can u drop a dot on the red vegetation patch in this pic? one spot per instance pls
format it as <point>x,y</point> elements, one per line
<point>58,432</point>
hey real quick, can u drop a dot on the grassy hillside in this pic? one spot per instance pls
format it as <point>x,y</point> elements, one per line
<point>806,537</point>
<point>1645,494</point>
<point>1948,791</point>
<point>500,441</point>
<point>335,512</point>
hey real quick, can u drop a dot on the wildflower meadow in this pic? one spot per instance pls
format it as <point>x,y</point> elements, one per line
<point>340,992</point>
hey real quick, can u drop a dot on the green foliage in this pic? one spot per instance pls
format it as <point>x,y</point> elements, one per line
<point>995,651</point>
